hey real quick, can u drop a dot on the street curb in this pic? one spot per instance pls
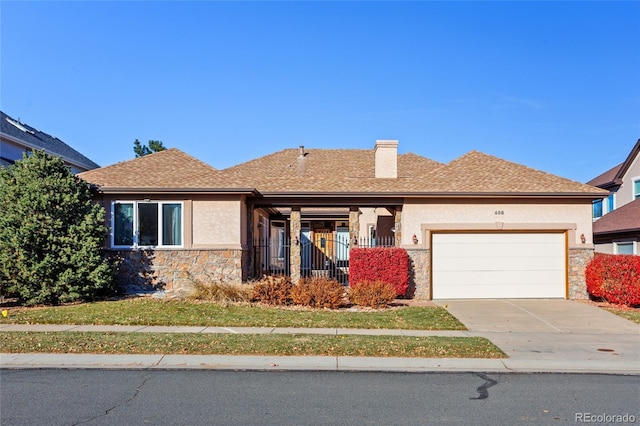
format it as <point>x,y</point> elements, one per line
<point>305,363</point>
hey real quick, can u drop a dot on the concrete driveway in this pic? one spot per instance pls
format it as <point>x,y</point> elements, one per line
<point>537,316</point>
<point>547,330</point>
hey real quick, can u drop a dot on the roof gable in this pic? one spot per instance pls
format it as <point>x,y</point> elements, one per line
<point>615,175</point>
<point>476,172</point>
<point>169,169</point>
<point>36,139</point>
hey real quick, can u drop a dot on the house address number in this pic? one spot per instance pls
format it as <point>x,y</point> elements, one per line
<point>499,212</point>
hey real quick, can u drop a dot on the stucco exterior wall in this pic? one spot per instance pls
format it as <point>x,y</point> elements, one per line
<point>369,216</point>
<point>218,223</point>
<point>625,192</point>
<point>605,248</point>
<point>495,212</point>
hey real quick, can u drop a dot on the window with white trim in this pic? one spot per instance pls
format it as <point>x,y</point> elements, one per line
<point>146,224</point>
<point>636,189</point>
<point>624,248</point>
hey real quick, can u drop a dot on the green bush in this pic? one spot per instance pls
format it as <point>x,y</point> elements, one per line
<point>52,235</point>
<point>318,293</point>
<point>273,290</point>
<point>374,294</point>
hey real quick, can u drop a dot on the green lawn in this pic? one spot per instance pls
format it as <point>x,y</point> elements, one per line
<point>146,311</point>
<point>248,344</point>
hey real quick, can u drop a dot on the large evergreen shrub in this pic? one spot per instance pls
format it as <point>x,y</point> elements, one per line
<point>51,234</point>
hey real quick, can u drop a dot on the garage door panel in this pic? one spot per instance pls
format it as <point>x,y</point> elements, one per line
<point>486,263</point>
<point>499,277</point>
<point>510,292</point>
<point>498,265</point>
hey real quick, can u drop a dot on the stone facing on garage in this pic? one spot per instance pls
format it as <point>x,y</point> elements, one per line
<point>579,258</point>
<point>420,273</point>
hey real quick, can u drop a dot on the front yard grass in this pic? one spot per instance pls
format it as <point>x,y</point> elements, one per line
<point>248,344</point>
<point>147,311</point>
<point>627,313</point>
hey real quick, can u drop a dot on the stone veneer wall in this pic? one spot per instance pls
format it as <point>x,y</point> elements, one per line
<point>579,258</point>
<point>420,273</point>
<point>176,270</point>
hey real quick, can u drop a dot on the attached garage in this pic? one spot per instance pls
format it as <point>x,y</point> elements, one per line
<point>494,265</point>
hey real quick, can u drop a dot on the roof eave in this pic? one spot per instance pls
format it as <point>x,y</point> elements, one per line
<point>226,191</point>
<point>616,231</point>
<point>302,194</point>
<point>84,166</point>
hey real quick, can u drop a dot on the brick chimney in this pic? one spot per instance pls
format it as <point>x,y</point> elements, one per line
<point>386,153</point>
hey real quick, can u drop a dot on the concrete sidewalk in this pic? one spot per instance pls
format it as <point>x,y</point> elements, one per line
<point>536,335</point>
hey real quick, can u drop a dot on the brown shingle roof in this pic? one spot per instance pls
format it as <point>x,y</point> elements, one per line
<point>339,171</point>
<point>622,219</point>
<point>170,169</point>
<point>353,171</point>
<point>607,178</point>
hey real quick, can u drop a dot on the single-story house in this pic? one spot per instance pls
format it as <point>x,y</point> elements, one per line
<point>17,137</point>
<point>476,227</point>
<point>616,226</point>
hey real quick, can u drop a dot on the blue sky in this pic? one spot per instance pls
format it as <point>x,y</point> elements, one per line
<point>552,85</point>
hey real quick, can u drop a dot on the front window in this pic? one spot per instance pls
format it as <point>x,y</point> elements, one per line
<point>146,224</point>
<point>636,189</point>
<point>597,209</point>
<point>611,205</point>
<point>624,248</point>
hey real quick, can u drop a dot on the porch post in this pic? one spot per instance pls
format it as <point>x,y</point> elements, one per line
<point>397,215</point>
<point>294,257</point>
<point>248,267</point>
<point>354,226</point>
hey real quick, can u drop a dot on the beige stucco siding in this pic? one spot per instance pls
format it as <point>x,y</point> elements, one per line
<point>468,214</point>
<point>625,192</point>
<point>218,223</point>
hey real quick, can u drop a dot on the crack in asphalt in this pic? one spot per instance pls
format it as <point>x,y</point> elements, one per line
<point>106,413</point>
<point>483,392</point>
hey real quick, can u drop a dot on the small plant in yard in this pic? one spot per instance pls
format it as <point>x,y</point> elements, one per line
<point>222,293</point>
<point>318,293</point>
<point>273,290</point>
<point>374,294</point>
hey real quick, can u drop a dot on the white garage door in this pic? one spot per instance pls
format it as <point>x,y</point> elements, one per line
<point>505,265</point>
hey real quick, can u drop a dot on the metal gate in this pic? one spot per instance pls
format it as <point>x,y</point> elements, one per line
<point>326,256</point>
<point>322,254</point>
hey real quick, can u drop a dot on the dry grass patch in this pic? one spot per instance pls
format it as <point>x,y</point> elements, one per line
<point>248,344</point>
<point>149,311</point>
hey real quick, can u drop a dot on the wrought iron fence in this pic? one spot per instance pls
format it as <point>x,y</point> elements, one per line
<point>323,255</point>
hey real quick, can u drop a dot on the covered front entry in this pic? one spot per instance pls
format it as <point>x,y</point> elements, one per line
<point>486,265</point>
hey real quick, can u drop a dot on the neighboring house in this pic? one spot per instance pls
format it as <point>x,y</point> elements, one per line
<point>16,138</point>
<point>616,226</point>
<point>477,227</point>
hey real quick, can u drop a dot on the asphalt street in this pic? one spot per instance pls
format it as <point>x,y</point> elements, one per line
<point>216,397</point>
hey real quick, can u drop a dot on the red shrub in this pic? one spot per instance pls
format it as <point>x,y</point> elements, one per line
<point>387,264</point>
<point>615,278</point>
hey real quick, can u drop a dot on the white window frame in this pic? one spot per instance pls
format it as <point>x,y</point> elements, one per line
<point>634,195</point>
<point>136,232</point>
<point>634,246</point>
